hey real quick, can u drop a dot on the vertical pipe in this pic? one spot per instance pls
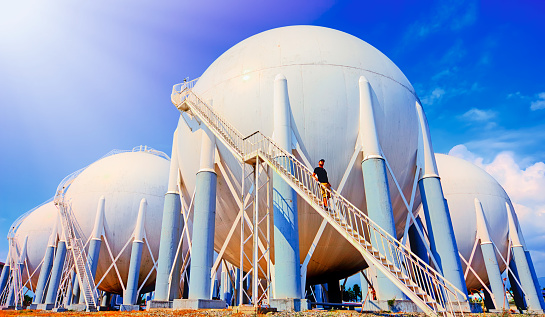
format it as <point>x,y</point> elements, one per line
<point>255,246</point>
<point>75,289</point>
<point>47,264</point>
<point>439,224</point>
<point>375,183</point>
<point>202,256</point>
<point>225,294</point>
<point>56,272</point>
<point>106,299</point>
<point>131,291</point>
<point>286,227</point>
<point>534,300</point>
<point>170,230</point>
<point>490,261</point>
<point>237,291</point>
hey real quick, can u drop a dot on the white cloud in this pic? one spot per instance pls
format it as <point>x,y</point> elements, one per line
<point>526,188</point>
<point>434,96</point>
<point>539,103</point>
<point>446,15</point>
<point>475,114</point>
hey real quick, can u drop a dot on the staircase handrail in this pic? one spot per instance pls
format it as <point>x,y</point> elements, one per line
<point>75,245</point>
<point>257,143</point>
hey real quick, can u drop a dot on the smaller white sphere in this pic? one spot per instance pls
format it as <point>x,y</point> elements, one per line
<point>123,179</point>
<point>37,226</point>
<point>463,182</point>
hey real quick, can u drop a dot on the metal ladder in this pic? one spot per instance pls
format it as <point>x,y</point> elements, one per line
<point>75,246</point>
<point>427,288</point>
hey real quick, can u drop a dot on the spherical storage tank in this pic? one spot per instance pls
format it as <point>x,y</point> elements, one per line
<point>322,67</point>
<point>123,179</point>
<point>463,182</point>
<point>37,226</point>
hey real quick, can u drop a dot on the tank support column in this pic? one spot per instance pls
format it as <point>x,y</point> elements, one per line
<point>14,296</point>
<point>5,274</point>
<point>534,300</point>
<point>287,283</point>
<point>490,261</point>
<point>375,182</point>
<point>95,243</point>
<point>441,233</point>
<point>131,293</point>
<point>170,237</point>
<point>226,292</point>
<point>56,274</point>
<point>202,255</point>
<point>46,268</point>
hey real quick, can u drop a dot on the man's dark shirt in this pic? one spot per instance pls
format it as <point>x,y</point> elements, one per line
<point>322,174</point>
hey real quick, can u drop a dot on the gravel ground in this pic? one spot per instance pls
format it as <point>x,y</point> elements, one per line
<point>225,312</point>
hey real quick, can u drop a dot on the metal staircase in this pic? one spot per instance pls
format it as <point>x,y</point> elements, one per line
<point>427,288</point>
<point>82,266</point>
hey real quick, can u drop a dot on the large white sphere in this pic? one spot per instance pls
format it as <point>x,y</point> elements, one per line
<point>123,179</point>
<point>463,182</point>
<point>322,67</point>
<point>37,226</point>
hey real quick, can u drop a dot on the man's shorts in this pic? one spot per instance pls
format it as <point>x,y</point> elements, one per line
<point>325,193</point>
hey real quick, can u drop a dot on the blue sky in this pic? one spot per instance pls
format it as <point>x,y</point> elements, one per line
<point>80,78</point>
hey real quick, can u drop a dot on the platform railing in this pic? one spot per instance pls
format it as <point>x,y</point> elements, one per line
<point>430,291</point>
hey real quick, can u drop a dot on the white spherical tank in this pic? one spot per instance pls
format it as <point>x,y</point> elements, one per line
<point>123,179</point>
<point>463,182</point>
<point>322,67</point>
<point>37,226</point>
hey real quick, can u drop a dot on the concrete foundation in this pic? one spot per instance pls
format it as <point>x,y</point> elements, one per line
<point>45,306</point>
<point>157,304</point>
<point>290,304</point>
<point>251,310</point>
<point>405,306</point>
<point>198,304</point>
<point>59,310</point>
<point>78,307</point>
<point>395,306</point>
<point>129,307</point>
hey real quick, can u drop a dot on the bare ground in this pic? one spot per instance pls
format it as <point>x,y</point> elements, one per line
<point>226,312</point>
